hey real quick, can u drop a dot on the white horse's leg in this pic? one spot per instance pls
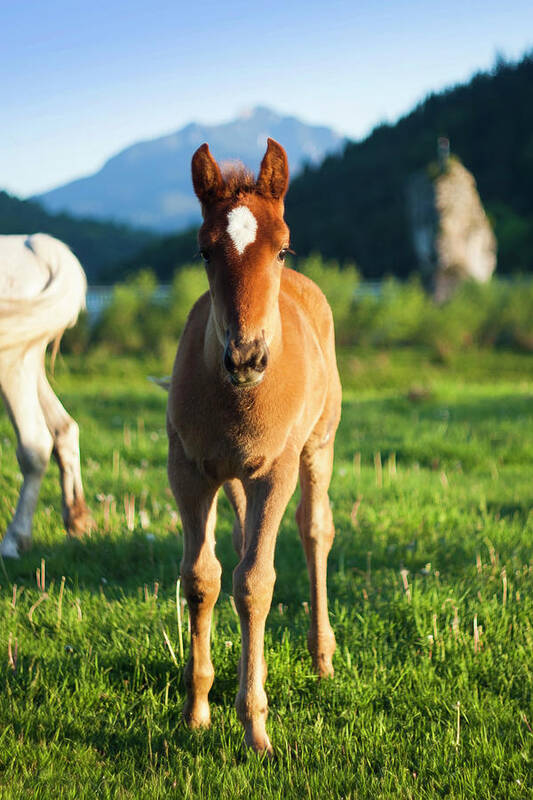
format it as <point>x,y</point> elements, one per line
<point>66,449</point>
<point>19,375</point>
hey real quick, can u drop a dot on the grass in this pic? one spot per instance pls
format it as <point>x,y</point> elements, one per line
<point>430,585</point>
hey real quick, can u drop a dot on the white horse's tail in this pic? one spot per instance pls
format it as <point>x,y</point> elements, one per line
<point>56,307</point>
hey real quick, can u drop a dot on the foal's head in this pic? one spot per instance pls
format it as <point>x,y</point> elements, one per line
<point>243,241</point>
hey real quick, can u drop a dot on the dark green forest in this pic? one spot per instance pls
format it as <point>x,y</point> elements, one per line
<point>162,255</point>
<point>353,206</point>
<point>100,246</point>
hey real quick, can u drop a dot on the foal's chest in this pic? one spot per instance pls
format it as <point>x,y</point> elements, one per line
<point>231,434</point>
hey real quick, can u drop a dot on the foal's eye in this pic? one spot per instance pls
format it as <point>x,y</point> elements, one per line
<point>283,253</point>
<point>204,254</point>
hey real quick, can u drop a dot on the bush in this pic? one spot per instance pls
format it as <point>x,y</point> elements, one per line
<point>513,326</point>
<point>76,340</point>
<point>188,285</point>
<point>338,284</point>
<point>122,325</point>
<point>392,316</point>
<point>137,321</point>
<point>499,313</point>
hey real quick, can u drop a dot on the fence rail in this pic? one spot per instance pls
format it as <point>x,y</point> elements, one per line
<point>99,298</point>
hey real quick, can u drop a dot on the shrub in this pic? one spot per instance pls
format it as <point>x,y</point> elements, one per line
<point>121,325</point>
<point>76,340</point>
<point>189,283</point>
<point>338,284</point>
<point>395,315</point>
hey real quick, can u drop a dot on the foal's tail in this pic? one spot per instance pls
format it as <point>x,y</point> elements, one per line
<point>56,307</point>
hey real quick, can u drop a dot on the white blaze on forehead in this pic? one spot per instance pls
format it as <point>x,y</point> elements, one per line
<point>242,227</point>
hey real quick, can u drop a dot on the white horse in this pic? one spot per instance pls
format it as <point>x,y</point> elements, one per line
<point>42,290</point>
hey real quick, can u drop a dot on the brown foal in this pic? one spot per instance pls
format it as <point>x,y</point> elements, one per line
<point>254,402</point>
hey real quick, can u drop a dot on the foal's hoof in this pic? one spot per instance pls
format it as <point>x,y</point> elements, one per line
<point>322,663</point>
<point>259,743</point>
<point>324,668</point>
<point>78,521</point>
<point>197,716</point>
<point>322,649</point>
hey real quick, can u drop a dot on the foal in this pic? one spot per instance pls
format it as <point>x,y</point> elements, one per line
<point>42,290</point>
<point>254,401</point>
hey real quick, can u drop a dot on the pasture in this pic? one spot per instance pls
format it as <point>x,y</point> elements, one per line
<point>430,587</point>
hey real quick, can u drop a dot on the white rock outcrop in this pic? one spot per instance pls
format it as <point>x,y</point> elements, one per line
<point>452,236</point>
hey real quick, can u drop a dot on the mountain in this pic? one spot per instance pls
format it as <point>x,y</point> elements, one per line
<point>149,183</point>
<point>353,206</point>
<point>98,245</point>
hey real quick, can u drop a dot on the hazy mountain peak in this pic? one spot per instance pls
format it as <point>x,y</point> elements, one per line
<point>148,183</point>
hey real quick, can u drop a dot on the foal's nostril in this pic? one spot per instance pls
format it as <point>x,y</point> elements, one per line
<point>245,357</point>
<point>229,363</point>
<point>262,361</point>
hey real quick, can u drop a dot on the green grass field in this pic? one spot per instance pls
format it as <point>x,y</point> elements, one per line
<point>430,584</point>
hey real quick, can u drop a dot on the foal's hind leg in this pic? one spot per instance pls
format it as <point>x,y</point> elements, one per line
<point>19,377</point>
<point>65,434</point>
<point>200,573</point>
<point>315,523</point>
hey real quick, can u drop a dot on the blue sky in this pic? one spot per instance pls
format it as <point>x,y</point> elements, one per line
<point>81,80</point>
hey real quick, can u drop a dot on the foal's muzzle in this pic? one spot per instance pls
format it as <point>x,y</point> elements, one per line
<point>245,361</point>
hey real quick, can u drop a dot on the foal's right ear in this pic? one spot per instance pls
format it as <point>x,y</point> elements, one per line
<point>206,176</point>
<point>273,180</point>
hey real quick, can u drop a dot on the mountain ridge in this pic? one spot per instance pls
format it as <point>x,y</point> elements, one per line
<point>147,184</point>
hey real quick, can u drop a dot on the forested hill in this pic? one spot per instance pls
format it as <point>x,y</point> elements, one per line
<point>353,206</point>
<point>98,245</point>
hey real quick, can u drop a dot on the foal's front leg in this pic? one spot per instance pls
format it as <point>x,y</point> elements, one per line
<point>200,574</point>
<point>253,585</point>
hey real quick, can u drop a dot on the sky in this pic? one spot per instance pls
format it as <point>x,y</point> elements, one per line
<point>81,80</point>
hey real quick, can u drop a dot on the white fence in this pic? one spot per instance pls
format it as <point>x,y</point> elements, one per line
<point>99,297</point>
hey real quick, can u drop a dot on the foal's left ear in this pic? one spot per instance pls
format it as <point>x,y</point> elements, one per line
<point>206,176</point>
<point>273,180</point>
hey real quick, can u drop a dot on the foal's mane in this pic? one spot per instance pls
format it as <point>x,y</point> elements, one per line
<point>238,180</point>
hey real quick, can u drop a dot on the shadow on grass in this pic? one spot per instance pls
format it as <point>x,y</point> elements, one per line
<point>520,510</point>
<point>123,563</point>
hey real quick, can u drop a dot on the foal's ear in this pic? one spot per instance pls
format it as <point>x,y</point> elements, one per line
<point>273,177</point>
<point>206,176</point>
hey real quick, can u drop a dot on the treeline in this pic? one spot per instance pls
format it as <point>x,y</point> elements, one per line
<point>161,256</point>
<point>498,314</point>
<point>100,246</point>
<point>353,206</point>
